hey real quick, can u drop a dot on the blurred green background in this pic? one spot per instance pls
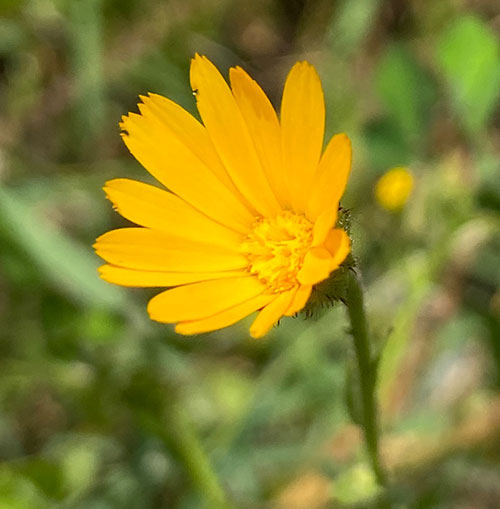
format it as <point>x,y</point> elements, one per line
<point>88,383</point>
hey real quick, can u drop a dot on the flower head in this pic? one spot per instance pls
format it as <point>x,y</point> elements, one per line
<point>248,221</point>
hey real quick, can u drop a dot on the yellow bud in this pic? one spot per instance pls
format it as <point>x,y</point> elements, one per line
<point>394,188</point>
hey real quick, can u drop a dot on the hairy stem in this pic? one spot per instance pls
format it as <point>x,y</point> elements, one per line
<point>367,374</point>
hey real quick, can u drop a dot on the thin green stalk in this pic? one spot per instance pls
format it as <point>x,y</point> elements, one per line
<point>367,374</point>
<point>86,37</point>
<point>195,459</point>
<point>182,438</point>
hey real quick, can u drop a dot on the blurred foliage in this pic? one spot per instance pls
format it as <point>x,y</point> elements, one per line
<point>87,381</point>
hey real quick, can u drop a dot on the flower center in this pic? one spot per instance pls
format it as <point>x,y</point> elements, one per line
<point>276,248</point>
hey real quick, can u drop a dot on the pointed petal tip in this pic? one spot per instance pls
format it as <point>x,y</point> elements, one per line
<point>106,190</point>
<point>260,329</point>
<point>198,58</point>
<point>122,122</point>
<point>101,271</point>
<point>316,267</point>
<point>257,333</point>
<point>347,141</point>
<point>343,142</point>
<point>109,185</point>
<point>237,71</point>
<point>113,183</point>
<point>299,300</point>
<point>153,312</point>
<point>125,122</point>
<point>179,329</point>
<point>272,313</point>
<point>239,76</point>
<point>303,65</point>
<point>153,96</point>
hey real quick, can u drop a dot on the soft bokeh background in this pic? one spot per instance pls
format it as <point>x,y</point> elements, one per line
<point>87,382</point>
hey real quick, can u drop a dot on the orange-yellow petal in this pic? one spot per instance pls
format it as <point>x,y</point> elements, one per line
<point>331,177</point>
<point>164,154</point>
<point>154,278</point>
<point>338,245</point>
<point>316,267</point>
<point>264,128</point>
<point>229,134</point>
<point>163,211</point>
<point>145,249</point>
<point>323,225</point>
<point>299,300</point>
<point>224,318</point>
<point>188,130</point>
<point>201,300</point>
<point>302,127</point>
<point>272,313</point>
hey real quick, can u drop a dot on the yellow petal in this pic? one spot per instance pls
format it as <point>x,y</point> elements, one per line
<point>271,313</point>
<point>316,266</point>
<point>188,130</point>
<point>331,177</point>
<point>229,134</point>
<point>338,245</point>
<point>201,300</point>
<point>264,128</point>
<point>324,223</point>
<point>302,127</point>
<point>163,153</point>
<point>145,249</point>
<point>225,318</point>
<point>160,210</point>
<point>154,278</point>
<point>299,300</point>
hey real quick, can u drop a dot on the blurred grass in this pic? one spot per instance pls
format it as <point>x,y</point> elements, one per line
<point>413,83</point>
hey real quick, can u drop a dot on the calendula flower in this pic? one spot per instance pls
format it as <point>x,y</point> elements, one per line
<point>248,221</point>
<point>394,188</point>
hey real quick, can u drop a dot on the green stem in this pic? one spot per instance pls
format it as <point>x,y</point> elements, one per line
<point>195,459</point>
<point>182,438</point>
<point>367,373</point>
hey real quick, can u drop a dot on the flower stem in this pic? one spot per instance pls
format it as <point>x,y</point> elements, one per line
<point>196,461</point>
<point>181,437</point>
<point>367,373</point>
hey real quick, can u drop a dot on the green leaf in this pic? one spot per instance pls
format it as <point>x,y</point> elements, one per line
<point>468,55</point>
<point>386,146</point>
<point>352,23</point>
<point>86,34</point>
<point>70,267</point>
<point>406,92</point>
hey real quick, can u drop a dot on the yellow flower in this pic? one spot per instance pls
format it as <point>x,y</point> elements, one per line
<point>248,221</point>
<point>394,188</point>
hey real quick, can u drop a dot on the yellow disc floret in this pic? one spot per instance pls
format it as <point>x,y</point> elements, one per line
<point>276,249</point>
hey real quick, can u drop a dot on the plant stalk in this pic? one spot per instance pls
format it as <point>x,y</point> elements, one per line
<point>182,438</point>
<point>367,374</point>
